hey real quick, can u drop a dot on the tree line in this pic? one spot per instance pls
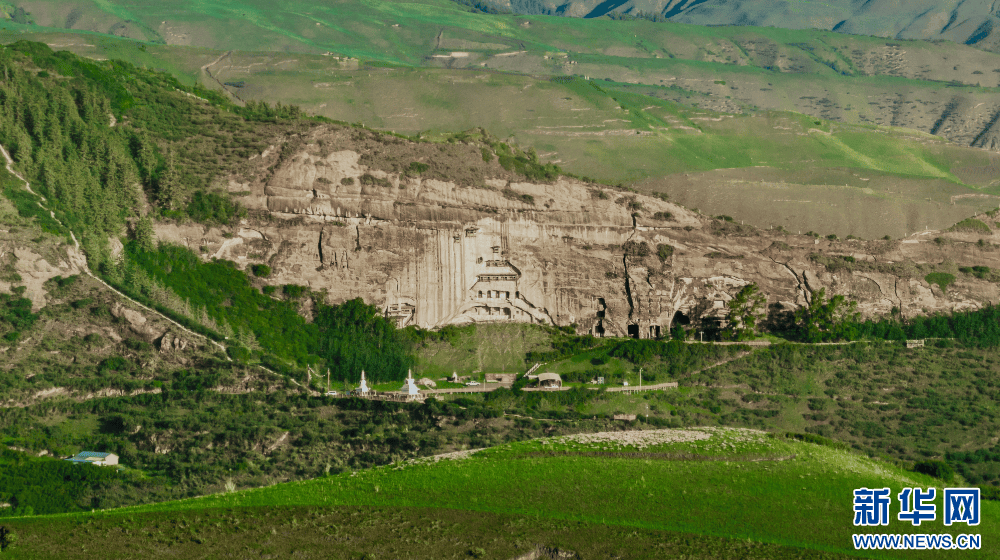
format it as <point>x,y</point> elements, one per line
<point>836,319</point>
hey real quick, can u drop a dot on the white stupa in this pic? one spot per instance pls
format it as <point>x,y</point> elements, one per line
<point>409,387</point>
<point>364,384</point>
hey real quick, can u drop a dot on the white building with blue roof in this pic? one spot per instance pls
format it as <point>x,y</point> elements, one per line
<point>95,458</point>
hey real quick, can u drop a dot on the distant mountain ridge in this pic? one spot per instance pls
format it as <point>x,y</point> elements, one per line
<point>973,22</point>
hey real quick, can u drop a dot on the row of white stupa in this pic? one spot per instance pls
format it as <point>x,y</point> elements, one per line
<point>408,388</point>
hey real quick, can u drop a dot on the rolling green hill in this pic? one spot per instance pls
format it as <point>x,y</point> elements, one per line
<point>726,486</point>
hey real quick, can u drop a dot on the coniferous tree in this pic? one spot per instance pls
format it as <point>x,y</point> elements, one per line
<point>745,312</point>
<point>144,234</point>
<point>168,187</point>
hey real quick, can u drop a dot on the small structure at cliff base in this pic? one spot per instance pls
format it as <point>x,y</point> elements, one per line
<point>550,380</point>
<point>363,388</point>
<point>409,388</point>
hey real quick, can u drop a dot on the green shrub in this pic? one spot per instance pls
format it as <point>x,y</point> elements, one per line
<point>15,314</point>
<point>371,180</point>
<point>942,279</point>
<point>636,249</point>
<point>937,469</point>
<point>57,285</point>
<point>664,252</point>
<point>990,493</point>
<point>417,168</point>
<point>8,538</point>
<point>261,270</point>
<point>137,345</point>
<point>514,195</point>
<point>971,225</point>
<point>294,291</point>
<point>525,163</point>
<point>212,208</point>
<point>663,216</point>
<point>227,295</point>
<point>981,272</point>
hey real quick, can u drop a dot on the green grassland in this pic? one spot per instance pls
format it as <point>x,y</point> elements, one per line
<point>735,484</point>
<point>479,349</point>
<point>665,110</point>
<point>356,531</point>
<point>366,30</point>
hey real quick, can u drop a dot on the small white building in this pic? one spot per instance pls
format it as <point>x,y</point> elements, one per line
<point>94,458</point>
<point>363,388</point>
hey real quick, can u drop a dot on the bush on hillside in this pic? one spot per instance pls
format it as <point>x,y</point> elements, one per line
<point>942,279</point>
<point>937,469</point>
<point>261,270</point>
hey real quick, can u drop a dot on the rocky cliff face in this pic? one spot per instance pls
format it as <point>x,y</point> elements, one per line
<point>433,252</point>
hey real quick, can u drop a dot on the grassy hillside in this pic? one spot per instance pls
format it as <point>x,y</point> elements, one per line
<point>665,111</point>
<point>429,533</point>
<point>924,19</point>
<point>735,484</point>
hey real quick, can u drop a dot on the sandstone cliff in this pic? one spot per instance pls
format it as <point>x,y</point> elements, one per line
<point>343,214</point>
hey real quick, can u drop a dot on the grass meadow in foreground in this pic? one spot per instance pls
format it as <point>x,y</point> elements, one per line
<point>352,532</point>
<point>720,482</point>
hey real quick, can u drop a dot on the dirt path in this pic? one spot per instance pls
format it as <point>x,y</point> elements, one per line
<point>205,69</point>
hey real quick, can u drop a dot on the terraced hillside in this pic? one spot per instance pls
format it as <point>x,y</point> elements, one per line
<point>659,106</point>
<point>845,77</point>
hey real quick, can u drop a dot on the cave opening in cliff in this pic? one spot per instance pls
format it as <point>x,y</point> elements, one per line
<point>599,330</point>
<point>633,331</point>
<point>680,319</point>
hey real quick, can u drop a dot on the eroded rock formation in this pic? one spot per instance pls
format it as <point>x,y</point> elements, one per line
<point>432,252</point>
